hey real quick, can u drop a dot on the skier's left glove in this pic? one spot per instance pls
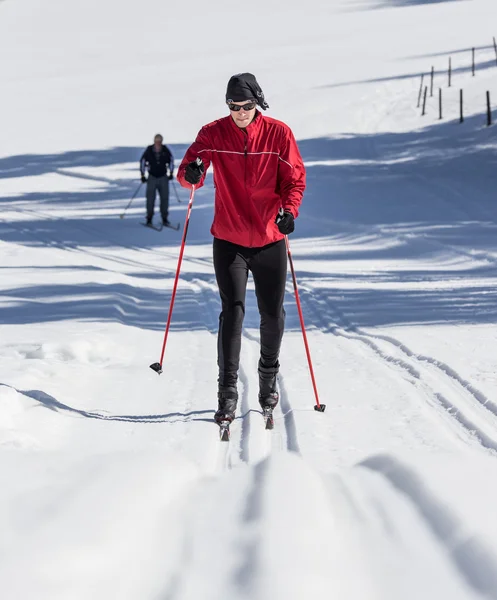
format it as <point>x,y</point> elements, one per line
<point>170,176</point>
<point>285,222</point>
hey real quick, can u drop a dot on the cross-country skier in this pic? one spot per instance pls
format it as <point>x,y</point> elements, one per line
<point>258,169</point>
<point>159,161</point>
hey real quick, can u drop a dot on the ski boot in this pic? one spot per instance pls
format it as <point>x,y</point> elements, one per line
<point>227,398</point>
<point>268,394</point>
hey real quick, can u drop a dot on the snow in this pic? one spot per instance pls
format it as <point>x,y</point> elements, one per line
<point>113,481</point>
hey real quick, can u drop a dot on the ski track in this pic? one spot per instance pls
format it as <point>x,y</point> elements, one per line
<point>292,443</point>
<point>256,443</point>
<point>228,454</point>
<point>463,392</point>
<point>463,396</point>
<point>469,555</point>
<point>468,406</point>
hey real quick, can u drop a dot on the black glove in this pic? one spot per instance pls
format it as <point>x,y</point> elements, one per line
<point>285,222</point>
<point>170,176</point>
<point>194,171</point>
<point>144,179</point>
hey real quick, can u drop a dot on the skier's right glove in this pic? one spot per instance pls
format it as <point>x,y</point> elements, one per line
<point>194,171</point>
<point>144,179</point>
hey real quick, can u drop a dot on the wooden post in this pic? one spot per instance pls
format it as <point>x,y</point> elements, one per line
<point>450,72</point>
<point>440,102</point>
<point>489,111</point>
<point>473,63</point>
<point>424,101</point>
<point>495,48</point>
<point>420,91</point>
<point>432,76</point>
<point>461,119</point>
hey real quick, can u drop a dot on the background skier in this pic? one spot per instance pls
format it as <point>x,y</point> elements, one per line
<point>257,170</point>
<point>159,161</point>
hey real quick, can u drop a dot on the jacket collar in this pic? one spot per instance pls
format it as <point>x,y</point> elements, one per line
<point>250,129</point>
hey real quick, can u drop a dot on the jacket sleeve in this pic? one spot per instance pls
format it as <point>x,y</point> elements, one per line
<point>291,174</point>
<point>143,162</point>
<point>202,148</point>
<point>170,160</point>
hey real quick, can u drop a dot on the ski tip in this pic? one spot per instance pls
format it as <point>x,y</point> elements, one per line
<point>320,407</point>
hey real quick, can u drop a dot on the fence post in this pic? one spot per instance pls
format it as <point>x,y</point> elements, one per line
<point>495,48</point>
<point>461,119</point>
<point>424,101</point>
<point>420,91</point>
<point>489,111</point>
<point>431,85</point>
<point>473,64</point>
<point>440,102</point>
<point>450,71</point>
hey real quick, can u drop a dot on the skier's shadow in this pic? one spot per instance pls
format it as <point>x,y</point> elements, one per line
<point>53,404</point>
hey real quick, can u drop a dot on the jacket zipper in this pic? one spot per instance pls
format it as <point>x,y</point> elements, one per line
<point>245,152</point>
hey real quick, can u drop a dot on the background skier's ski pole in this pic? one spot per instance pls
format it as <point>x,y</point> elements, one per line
<point>318,406</point>
<point>129,203</point>
<point>157,367</point>
<point>176,192</point>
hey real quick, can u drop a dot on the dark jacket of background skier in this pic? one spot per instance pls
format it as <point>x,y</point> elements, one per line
<point>158,164</point>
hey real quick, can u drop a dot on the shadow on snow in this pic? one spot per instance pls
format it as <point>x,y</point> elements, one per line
<point>411,217</point>
<point>53,404</point>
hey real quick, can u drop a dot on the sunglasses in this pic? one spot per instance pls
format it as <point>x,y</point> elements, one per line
<point>246,107</point>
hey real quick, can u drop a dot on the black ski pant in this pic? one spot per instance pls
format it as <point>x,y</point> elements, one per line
<point>232,264</point>
<point>161,185</point>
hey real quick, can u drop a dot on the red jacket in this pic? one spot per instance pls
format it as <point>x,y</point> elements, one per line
<point>257,170</point>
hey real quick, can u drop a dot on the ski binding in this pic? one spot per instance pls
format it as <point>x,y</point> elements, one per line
<point>224,431</point>
<point>267,414</point>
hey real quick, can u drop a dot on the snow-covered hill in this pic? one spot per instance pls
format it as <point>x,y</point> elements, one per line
<point>113,481</point>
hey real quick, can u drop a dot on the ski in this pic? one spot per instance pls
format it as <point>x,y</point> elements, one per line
<point>267,414</point>
<point>151,226</point>
<point>161,227</point>
<point>171,226</point>
<point>224,431</point>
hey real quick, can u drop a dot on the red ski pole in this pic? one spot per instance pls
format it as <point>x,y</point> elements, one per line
<point>318,406</point>
<point>157,367</point>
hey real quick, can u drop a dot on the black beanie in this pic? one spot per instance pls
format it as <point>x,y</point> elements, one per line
<point>244,86</point>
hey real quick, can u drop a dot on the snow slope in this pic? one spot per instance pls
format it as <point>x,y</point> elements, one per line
<point>114,483</point>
